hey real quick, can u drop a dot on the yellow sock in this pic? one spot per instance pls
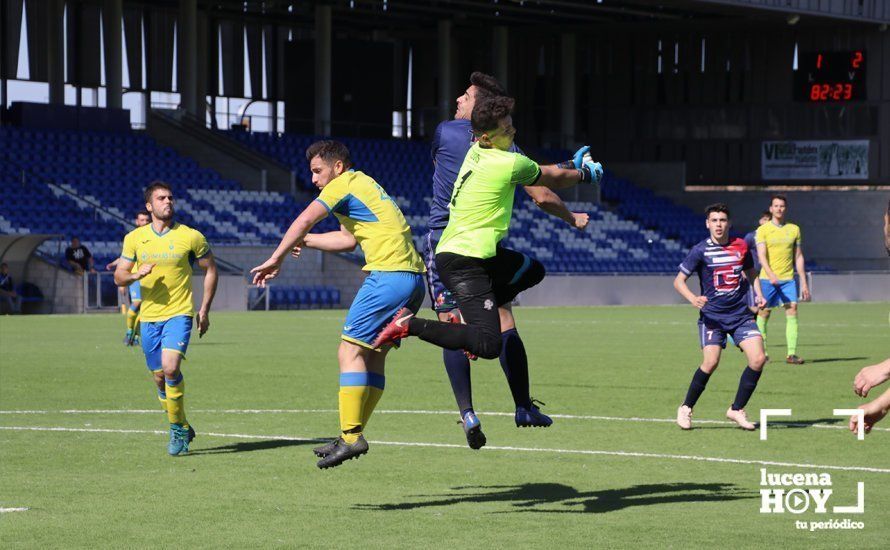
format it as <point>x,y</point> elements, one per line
<point>131,318</point>
<point>352,397</point>
<point>176,400</point>
<point>376,383</point>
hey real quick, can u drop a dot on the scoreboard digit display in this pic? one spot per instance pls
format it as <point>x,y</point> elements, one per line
<point>830,77</point>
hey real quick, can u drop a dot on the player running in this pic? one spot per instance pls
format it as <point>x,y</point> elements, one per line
<point>481,274</point>
<point>778,247</point>
<point>719,262</point>
<point>162,252</point>
<point>369,218</point>
<point>451,142</point>
<point>131,337</point>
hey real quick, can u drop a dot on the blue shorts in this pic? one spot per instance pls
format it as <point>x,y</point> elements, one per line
<point>440,297</point>
<point>712,334</point>
<point>135,292</point>
<point>381,296</point>
<point>783,293</point>
<point>172,334</point>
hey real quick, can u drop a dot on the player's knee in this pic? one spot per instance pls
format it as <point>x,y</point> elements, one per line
<point>708,366</point>
<point>791,310</point>
<point>159,378</point>
<point>764,313</point>
<point>489,345</point>
<point>757,361</point>
<point>534,275</point>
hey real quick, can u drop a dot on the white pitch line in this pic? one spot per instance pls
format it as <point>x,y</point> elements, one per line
<point>788,423</point>
<point>8,510</point>
<point>632,454</point>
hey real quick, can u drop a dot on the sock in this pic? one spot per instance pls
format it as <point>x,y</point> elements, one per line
<point>446,335</point>
<point>176,400</point>
<point>352,397</point>
<point>376,383</point>
<point>162,397</point>
<point>696,387</point>
<point>761,326</point>
<point>747,384</point>
<point>514,362</point>
<point>458,368</point>
<point>791,334</point>
<point>131,319</point>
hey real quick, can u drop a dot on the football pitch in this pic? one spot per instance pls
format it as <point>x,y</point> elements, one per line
<point>83,458</point>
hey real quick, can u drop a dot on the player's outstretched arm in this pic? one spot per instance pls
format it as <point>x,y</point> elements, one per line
<point>332,241</point>
<point>681,287</point>
<point>111,265</point>
<point>211,277</point>
<point>800,266</point>
<point>875,411</point>
<point>296,234</point>
<point>550,202</point>
<point>871,376</point>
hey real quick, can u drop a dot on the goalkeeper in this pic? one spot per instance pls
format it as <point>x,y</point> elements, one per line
<point>481,274</point>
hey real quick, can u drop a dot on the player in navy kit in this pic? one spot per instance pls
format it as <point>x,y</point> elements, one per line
<point>720,262</point>
<point>451,142</point>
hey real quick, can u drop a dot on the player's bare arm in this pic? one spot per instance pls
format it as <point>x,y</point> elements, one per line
<point>550,202</point>
<point>122,275</point>
<point>111,265</point>
<point>871,376</point>
<point>683,288</point>
<point>800,267</point>
<point>763,255</point>
<point>875,411</point>
<point>332,241</point>
<point>754,281</point>
<point>296,234</point>
<point>211,277</point>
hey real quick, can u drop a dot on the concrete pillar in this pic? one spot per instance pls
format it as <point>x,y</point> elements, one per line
<point>567,89</point>
<point>55,53</point>
<point>446,86</point>
<point>323,70</point>
<point>112,17</point>
<point>400,83</point>
<point>499,50</point>
<point>187,50</point>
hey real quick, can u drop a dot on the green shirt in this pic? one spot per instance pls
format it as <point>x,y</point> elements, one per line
<point>482,201</point>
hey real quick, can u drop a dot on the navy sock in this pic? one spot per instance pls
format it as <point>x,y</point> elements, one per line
<point>747,384</point>
<point>458,368</point>
<point>515,364</point>
<point>696,387</point>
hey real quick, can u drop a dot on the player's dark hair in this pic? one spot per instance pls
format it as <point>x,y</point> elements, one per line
<point>782,198</point>
<point>717,207</point>
<point>329,151</point>
<point>765,214</point>
<point>486,85</point>
<point>488,113</point>
<point>143,212</point>
<point>154,186</point>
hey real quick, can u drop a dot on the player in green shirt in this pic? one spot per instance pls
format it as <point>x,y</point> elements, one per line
<point>481,274</point>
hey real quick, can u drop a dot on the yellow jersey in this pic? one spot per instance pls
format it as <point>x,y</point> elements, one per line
<point>167,290</point>
<point>379,227</point>
<point>780,241</point>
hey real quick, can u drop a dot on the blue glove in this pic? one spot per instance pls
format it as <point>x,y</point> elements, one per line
<point>577,159</point>
<point>591,172</point>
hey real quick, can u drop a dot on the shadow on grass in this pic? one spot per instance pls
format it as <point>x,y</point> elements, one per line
<point>836,359</point>
<point>248,446</point>
<point>541,497</point>
<point>778,424</point>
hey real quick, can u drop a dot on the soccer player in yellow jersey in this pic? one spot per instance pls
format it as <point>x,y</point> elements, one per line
<point>132,312</point>
<point>162,252</point>
<point>369,218</point>
<point>778,247</point>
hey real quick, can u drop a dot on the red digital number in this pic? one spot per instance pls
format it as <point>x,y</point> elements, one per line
<point>814,92</point>
<point>838,90</point>
<point>823,93</point>
<point>857,60</point>
<point>819,61</point>
<point>848,91</point>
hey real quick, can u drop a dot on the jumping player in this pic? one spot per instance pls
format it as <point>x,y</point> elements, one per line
<point>778,247</point>
<point>369,218</point>
<point>162,252</point>
<point>719,263</point>
<point>451,142</point>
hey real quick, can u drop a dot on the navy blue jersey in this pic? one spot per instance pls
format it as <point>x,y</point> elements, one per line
<point>751,241</point>
<point>719,268</point>
<point>451,142</point>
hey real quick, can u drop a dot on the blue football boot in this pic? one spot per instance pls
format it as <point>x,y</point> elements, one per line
<point>532,417</point>
<point>473,430</point>
<point>179,440</point>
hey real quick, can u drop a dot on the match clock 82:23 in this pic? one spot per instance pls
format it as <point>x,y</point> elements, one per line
<point>830,76</point>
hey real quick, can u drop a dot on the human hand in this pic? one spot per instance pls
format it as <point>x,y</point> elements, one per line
<point>266,272</point>
<point>700,301</point>
<point>143,271</point>
<point>869,377</point>
<point>580,220</point>
<point>203,320</point>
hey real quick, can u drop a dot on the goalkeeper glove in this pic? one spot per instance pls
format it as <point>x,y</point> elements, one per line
<point>577,160</point>
<point>591,172</point>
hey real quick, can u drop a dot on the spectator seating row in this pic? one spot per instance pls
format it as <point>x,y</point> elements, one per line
<point>297,297</point>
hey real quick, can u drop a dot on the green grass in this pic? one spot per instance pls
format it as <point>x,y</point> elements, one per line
<point>93,489</point>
